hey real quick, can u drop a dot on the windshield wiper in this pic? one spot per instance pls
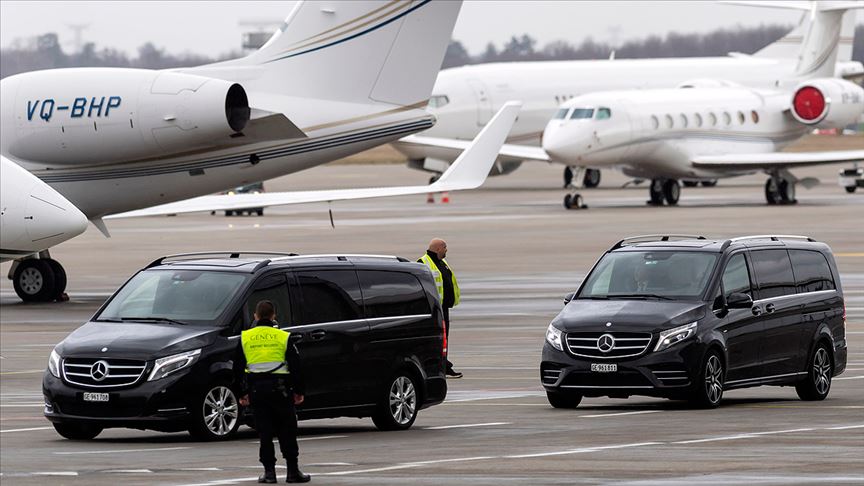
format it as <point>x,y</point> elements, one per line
<point>153,319</point>
<point>593,297</point>
<point>640,296</point>
<point>108,319</point>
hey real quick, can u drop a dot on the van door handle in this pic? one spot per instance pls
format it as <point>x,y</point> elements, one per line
<point>769,308</point>
<point>317,334</point>
<point>756,310</point>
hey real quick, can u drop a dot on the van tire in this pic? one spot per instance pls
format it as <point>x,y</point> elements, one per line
<point>214,413</point>
<point>707,390</point>
<point>820,369</point>
<point>399,404</point>
<point>77,431</point>
<point>562,400</point>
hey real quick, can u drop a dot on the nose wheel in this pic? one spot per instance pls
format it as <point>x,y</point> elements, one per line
<point>574,201</point>
<point>39,280</point>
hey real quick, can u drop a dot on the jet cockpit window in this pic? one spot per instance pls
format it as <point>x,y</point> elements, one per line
<point>561,114</point>
<point>581,113</point>
<point>604,113</point>
<point>437,101</point>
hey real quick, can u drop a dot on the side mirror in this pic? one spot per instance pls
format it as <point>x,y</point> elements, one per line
<point>737,300</point>
<point>569,297</point>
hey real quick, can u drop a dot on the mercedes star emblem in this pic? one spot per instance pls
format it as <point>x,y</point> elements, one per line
<point>99,370</point>
<point>605,343</point>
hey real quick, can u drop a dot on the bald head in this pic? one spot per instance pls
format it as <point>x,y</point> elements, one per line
<point>438,247</point>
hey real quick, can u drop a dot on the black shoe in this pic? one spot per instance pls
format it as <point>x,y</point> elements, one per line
<point>295,475</point>
<point>269,477</point>
<point>451,373</point>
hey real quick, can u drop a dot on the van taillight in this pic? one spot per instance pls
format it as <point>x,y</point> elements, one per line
<point>444,339</point>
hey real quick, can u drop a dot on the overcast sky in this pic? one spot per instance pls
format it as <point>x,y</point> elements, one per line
<point>212,28</point>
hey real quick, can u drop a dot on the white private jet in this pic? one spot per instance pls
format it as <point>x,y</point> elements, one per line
<point>702,134</point>
<point>464,98</point>
<point>337,78</point>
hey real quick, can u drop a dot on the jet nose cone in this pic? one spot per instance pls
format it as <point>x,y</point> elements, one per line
<point>50,218</point>
<point>557,143</point>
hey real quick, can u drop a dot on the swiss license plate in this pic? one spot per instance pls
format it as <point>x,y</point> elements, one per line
<point>604,367</point>
<point>95,397</point>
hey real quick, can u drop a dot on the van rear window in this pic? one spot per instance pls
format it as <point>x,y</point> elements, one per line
<point>773,273</point>
<point>812,272</point>
<point>391,294</point>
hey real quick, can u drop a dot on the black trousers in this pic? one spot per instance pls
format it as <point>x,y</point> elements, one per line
<point>447,332</point>
<point>275,417</point>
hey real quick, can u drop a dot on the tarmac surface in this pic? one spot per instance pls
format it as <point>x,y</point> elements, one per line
<point>517,252</point>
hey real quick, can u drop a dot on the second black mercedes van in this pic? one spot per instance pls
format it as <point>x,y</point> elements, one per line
<point>688,317</point>
<point>158,354</point>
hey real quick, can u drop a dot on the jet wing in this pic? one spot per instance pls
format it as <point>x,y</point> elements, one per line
<point>775,160</point>
<point>508,150</point>
<point>469,171</point>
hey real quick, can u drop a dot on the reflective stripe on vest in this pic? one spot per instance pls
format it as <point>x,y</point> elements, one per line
<point>439,280</point>
<point>264,348</point>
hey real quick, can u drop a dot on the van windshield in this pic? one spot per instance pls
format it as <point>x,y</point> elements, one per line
<point>666,275</point>
<point>179,296</point>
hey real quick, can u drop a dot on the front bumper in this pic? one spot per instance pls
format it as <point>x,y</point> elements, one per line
<point>668,373</point>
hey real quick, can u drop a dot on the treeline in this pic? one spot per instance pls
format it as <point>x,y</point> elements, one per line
<point>45,51</point>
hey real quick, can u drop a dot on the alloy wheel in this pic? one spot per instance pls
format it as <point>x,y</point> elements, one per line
<point>822,371</point>
<point>403,400</point>
<point>220,409</point>
<point>31,280</point>
<point>714,379</point>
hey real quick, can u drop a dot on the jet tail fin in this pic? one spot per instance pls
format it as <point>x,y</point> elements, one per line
<point>358,51</point>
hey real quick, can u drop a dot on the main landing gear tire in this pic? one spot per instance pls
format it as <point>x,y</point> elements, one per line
<point>74,431</point>
<point>573,201</point>
<point>591,178</point>
<point>851,189</point>
<point>779,191</point>
<point>655,192</point>
<point>397,409</point>
<point>34,280</point>
<point>560,400</point>
<point>671,191</point>
<point>819,373</point>
<point>707,391</point>
<point>215,414</point>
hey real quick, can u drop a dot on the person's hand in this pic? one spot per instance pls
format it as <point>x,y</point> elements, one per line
<point>298,399</point>
<point>244,401</point>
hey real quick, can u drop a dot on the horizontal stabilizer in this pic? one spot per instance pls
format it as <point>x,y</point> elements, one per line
<point>508,150</point>
<point>469,171</point>
<point>776,160</point>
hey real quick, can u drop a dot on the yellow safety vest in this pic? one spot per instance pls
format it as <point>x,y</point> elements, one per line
<point>264,348</point>
<point>439,280</point>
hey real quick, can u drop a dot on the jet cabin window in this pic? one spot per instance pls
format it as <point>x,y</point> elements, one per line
<point>437,101</point>
<point>582,113</point>
<point>604,113</point>
<point>561,114</point>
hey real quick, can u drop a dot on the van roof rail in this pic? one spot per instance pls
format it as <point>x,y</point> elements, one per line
<point>341,257</point>
<point>231,254</point>
<point>765,237</point>
<point>649,238</point>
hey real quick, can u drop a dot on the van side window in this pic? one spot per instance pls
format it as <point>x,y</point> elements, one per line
<point>275,289</point>
<point>812,272</point>
<point>773,273</point>
<point>329,296</point>
<point>390,294</point>
<point>736,277</point>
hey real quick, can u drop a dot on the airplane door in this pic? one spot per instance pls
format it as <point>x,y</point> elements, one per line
<point>484,101</point>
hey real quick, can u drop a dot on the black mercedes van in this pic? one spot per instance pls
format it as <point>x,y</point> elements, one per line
<point>158,354</point>
<point>688,318</point>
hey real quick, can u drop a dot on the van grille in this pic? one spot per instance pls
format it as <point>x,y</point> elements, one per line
<point>102,373</point>
<point>623,344</point>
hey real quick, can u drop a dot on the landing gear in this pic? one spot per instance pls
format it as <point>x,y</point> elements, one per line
<point>591,178</point>
<point>574,201</point>
<point>690,183</point>
<point>660,190</point>
<point>671,191</point>
<point>780,190</point>
<point>568,176</point>
<point>39,279</point>
<point>711,183</point>
<point>655,192</point>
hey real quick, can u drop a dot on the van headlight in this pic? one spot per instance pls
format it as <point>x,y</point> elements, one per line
<point>553,337</point>
<point>54,363</point>
<point>674,336</point>
<point>170,364</point>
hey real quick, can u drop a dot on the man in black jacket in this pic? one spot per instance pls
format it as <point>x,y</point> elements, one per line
<point>271,378</point>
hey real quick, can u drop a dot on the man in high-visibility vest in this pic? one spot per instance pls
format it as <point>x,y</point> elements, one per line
<point>445,282</point>
<point>272,382</point>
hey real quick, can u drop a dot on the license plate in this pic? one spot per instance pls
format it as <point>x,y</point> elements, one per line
<point>95,397</point>
<point>604,367</point>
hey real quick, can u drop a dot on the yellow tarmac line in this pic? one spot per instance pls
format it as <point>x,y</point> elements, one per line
<point>21,372</point>
<point>848,254</point>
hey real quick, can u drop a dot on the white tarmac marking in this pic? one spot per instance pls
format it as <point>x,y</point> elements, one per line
<point>329,464</point>
<point>850,378</point>
<point>601,415</point>
<point>465,426</point>
<point>121,451</point>
<point>55,473</point>
<point>129,471</point>
<point>749,435</point>
<point>583,450</point>
<point>408,465</point>
<point>301,439</point>
<point>26,430</point>
<point>846,427</point>
<point>23,405</point>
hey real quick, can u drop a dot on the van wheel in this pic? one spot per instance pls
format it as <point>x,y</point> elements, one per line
<point>73,431</point>
<point>708,388</point>
<point>561,400</point>
<point>398,409</point>
<point>215,413</point>
<point>818,382</point>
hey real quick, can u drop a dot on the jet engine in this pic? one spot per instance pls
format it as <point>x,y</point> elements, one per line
<point>99,116</point>
<point>827,103</point>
